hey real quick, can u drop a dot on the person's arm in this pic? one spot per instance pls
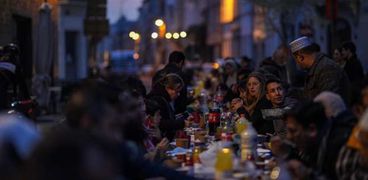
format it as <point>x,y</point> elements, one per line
<point>136,167</point>
<point>299,171</point>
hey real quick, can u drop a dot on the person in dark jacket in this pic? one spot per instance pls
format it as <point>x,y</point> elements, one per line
<point>100,108</point>
<point>276,65</point>
<point>165,92</point>
<point>276,94</point>
<point>352,161</point>
<point>254,100</point>
<point>352,65</point>
<point>175,65</point>
<point>323,73</point>
<point>342,121</point>
<point>317,137</point>
<point>307,126</point>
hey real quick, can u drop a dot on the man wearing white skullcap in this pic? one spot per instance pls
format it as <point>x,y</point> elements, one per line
<point>323,73</point>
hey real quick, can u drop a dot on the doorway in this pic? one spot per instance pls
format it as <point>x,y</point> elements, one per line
<point>24,41</point>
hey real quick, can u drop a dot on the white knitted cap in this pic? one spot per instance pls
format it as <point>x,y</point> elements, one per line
<point>300,43</point>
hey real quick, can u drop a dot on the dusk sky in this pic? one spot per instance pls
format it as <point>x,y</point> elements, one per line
<point>128,8</point>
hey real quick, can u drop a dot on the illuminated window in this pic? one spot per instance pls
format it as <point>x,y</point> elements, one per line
<point>227,10</point>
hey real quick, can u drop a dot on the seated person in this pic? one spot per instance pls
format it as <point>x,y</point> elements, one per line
<point>352,162</point>
<point>164,93</point>
<point>155,145</point>
<point>275,93</point>
<point>254,100</point>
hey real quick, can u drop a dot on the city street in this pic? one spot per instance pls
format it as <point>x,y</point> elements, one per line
<point>183,89</point>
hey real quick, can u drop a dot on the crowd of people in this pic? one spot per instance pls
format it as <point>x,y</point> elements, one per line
<point>114,128</point>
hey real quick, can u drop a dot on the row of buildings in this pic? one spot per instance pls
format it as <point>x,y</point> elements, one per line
<point>223,28</point>
<point>52,28</point>
<point>215,28</point>
<point>55,45</point>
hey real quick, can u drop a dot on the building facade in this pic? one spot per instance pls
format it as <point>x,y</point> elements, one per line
<point>72,49</point>
<point>19,24</point>
<point>243,27</point>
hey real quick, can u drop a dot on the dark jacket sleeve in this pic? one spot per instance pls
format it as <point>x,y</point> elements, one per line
<point>262,125</point>
<point>354,70</point>
<point>168,124</point>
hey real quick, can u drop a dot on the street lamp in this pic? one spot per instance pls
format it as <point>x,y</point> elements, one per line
<point>131,34</point>
<point>161,27</point>
<point>168,35</point>
<point>183,34</point>
<point>176,35</point>
<point>136,36</point>
<point>159,22</point>
<point>154,35</point>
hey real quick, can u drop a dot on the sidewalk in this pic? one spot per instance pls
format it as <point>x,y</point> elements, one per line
<point>45,122</point>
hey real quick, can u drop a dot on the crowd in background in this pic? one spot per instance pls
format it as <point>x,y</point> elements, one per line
<point>114,128</point>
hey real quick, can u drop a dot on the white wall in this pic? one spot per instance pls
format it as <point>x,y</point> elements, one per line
<point>72,22</point>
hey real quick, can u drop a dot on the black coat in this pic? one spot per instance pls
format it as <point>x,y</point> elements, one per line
<point>168,124</point>
<point>334,136</point>
<point>354,70</point>
<point>261,125</point>
<point>182,101</point>
<point>340,130</point>
<point>326,75</point>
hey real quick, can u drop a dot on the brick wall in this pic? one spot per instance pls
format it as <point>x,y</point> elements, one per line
<point>25,8</point>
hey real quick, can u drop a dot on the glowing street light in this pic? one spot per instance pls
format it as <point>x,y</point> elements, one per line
<point>183,34</point>
<point>159,22</point>
<point>136,36</point>
<point>131,34</point>
<point>176,35</point>
<point>168,35</point>
<point>154,35</point>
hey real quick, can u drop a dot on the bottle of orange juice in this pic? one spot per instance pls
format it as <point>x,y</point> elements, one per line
<point>241,124</point>
<point>248,144</point>
<point>224,164</point>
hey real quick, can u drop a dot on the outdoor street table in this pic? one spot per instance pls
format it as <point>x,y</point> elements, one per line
<point>206,169</point>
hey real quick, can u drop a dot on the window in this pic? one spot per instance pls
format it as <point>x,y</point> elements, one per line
<point>227,11</point>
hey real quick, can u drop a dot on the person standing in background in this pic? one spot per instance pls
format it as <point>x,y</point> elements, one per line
<point>175,65</point>
<point>352,66</point>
